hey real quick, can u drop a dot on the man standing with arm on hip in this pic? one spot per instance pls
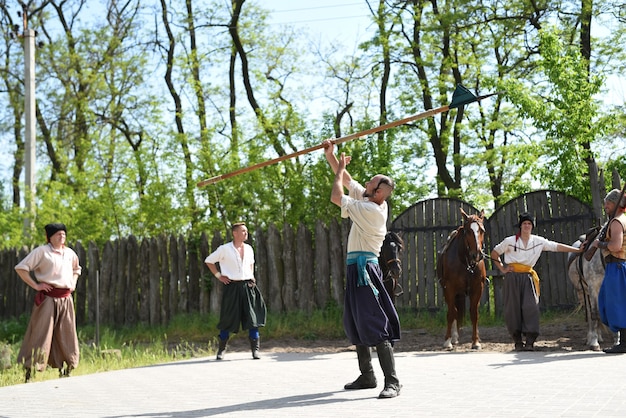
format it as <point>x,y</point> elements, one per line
<point>51,334</point>
<point>242,303</point>
<point>370,319</point>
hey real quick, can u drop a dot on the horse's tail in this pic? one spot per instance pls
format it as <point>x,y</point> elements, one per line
<point>441,254</point>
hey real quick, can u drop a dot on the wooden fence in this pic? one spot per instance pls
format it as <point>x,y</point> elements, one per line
<point>149,281</point>
<point>426,225</point>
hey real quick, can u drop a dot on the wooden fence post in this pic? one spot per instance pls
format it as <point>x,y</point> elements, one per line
<point>304,269</point>
<point>290,283</point>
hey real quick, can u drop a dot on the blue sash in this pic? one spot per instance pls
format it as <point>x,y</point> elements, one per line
<point>361,258</point>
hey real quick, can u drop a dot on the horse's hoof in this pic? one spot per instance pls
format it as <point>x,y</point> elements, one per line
<point>476,346</point>
<point>595,347</point>
<point>448,345</point>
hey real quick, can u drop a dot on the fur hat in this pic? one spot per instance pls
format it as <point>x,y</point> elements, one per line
<point>614,196</point>
<point>526,217</point>
<point>52,229</point>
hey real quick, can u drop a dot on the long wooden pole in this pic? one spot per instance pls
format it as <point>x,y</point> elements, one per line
<point>343,139</point>
<point>464,97</point>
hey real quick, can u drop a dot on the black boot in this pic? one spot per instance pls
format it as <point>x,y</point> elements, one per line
<point>254,347</point>
<point>531,337</point>
<point>67,372</point>
<point>517,340</point>
<point>388,364</point>
<point>367,379</point>
<point>221,348</point>
<point>621,347</point>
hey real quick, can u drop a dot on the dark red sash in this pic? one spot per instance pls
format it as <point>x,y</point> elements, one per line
<point>54,293</point>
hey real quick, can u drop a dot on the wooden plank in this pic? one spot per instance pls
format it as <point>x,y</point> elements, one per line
<point>261,263</point>
<point>274,299</point>
<point>419,287</point>
<point>304,261</point>
<point>93,257</point>
<point>132,295</point>
<point>215,296</point>
<point>174,279</point>
<point>154,277</point>
<point>119,281</point>
<point>183,284</point>
<point>166,277</point>
<point>193,261</point>
<point>106,284</point>
<point>336,261</point>
<point>322,266</point>
<point>206,278</point>
<point>80,293</point>
<point>144,281</point>
<point>290,283</point>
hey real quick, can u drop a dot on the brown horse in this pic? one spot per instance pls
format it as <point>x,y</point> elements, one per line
<point>391,265</point>
<point>461,272</point>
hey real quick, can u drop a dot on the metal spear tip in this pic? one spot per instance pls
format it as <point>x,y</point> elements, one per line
<point>463,96</point>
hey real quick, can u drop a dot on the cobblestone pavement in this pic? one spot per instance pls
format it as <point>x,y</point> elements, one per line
<point>435,384</point>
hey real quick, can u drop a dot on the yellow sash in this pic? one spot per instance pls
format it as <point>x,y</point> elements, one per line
<point>523,268</point>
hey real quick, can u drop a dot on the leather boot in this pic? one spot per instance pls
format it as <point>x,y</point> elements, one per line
<point>367,379</point>
<point>221,348</point>
<point>531,337</point>
<point>254,347</point>
<point>621,347</point>
<point>517,340</point>
<point>388,364</point>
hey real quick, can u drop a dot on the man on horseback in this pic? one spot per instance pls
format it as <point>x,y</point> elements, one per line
<point>370,319</point>
<point>613,290</point>
<point>521,283</point>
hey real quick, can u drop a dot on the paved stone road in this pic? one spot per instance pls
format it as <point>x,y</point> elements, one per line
<point>437,384</point>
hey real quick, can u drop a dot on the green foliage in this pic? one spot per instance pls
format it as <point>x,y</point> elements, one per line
<point>566,111</point>
<point>120,151</point>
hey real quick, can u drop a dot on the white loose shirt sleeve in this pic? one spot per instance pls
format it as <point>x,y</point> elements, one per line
<point>231,263</point>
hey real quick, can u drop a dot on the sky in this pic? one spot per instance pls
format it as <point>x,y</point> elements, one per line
<point>347,20</point>
<point>326,20</point>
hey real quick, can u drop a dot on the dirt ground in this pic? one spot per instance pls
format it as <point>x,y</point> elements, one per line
<point>567,333</point>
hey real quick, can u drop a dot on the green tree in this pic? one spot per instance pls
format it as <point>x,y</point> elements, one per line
<point>566,111</point>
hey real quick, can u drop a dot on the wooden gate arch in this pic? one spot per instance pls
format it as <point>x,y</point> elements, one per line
<point>425,227</point>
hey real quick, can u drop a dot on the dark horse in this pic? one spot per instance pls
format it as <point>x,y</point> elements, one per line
<point>391,265</point>
<point>461,272</point>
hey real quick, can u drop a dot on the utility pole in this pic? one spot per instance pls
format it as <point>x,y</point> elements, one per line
<point>30,118</point>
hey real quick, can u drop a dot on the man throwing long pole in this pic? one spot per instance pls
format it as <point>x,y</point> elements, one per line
<point>370,319</point>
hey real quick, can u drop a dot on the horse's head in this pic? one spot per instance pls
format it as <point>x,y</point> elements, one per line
<point>473,235</point>
<point>389,260</point>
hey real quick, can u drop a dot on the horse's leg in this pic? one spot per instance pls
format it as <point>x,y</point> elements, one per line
<point>451,319</point>
<point>475,296</point>
<point>459,302</point>
<point>593,322</point>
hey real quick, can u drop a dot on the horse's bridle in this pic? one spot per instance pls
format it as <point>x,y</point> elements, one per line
<point>389,277</point>
<point>473,262</point>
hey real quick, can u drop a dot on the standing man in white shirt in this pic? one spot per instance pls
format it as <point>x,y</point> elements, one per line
<point>521,282</point>
<point>369,317</point>
<point>51,334</point>
<point>242,302</point>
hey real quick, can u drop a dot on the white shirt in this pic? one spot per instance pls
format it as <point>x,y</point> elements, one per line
<point>369,220</point>
<point>231,263</point>
<point>516,252</point>
<point>55,267</point>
